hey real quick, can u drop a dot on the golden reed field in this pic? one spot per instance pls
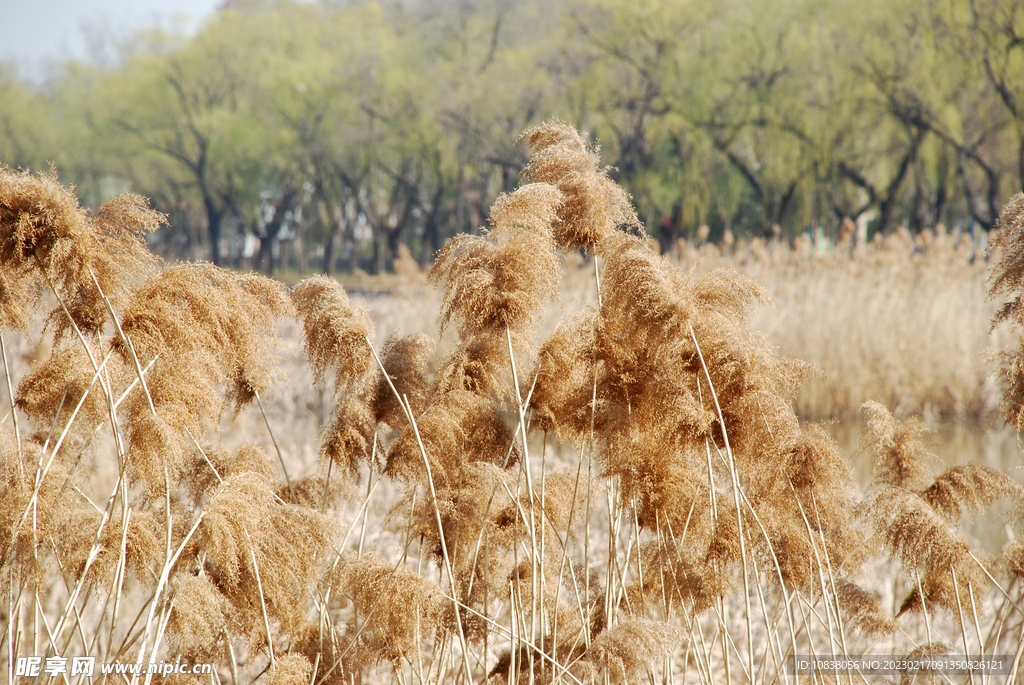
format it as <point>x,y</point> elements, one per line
<point>557,457</point>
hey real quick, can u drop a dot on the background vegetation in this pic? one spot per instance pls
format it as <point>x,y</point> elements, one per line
<point>325,135</point>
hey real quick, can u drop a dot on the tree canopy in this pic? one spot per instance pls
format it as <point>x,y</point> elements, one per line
<point>337,132</point>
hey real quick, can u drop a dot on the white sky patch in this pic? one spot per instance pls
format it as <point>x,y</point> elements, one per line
<point>37,35</point>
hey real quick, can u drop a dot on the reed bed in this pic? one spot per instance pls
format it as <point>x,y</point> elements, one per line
<point>905,320</point>
<point>631,494</point>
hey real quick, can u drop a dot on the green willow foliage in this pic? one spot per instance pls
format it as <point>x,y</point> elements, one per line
<point>330,134</point>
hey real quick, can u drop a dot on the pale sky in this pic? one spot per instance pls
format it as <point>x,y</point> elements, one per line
<point>36,34</point>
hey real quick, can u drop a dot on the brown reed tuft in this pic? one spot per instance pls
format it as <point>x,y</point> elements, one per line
<point>594,206</point>
<point>1007,280</point>
<point>460,427</point>
<point>316,492</point>
<point>406,361</point>
<point>910,676</point>
<point>863,611</point>
<point>915,533</point>
<point>531,668</point>
<point>500,280</point>
<point>199,618</point>
<point>900,459</point>
<point>970,487</point>
<point>655,373</point>
<point>144,541</point>
<point>335,336</point>
<point>254,546</point>
<point>46,238</point>
<point>813,460</point>
<point>334,332</point>
<point>398,610</point>
<point>790,546</point>
<point>323,646</point>
<point>184,679</point>
<point>918,522</point>
<point>472,502</point>
<point>238,508</point>
<point>562,397</point>
<point>349,439</point>
<point>480,366</point>
<point>480,525</point>
<point>250,457</point>
<point>625,652</point>
<point>692,566</point>
<point>805,483</point>
<point>562,499</point>
<point>941,592</point>
<point>679,579</point>
<point>1007,277</point>
<point>198,308</point>
<point>56,509</point>
<point>206,329</point>
<point>60,381</point>
<point>1012,557</point>
<point>215,463</point>
<point>290,669</point>
<point>184,399</point>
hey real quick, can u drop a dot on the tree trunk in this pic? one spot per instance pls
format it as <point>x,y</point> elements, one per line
<point>377,261</point>
<point>213,222</point>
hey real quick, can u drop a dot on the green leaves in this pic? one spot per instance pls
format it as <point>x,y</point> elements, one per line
<point>342,131</point>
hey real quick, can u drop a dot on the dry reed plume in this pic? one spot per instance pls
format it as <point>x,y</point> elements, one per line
<point>900,320</point>
<point>633,498</point>
<point>1007,279</point>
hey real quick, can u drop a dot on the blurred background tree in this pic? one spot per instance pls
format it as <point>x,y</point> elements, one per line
<point>326,136</point>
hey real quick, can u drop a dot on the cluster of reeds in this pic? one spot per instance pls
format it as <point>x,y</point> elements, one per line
<point>901,319</point>
<point>690,529</point>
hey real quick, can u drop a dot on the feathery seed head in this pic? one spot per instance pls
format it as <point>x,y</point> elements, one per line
<point>400,608</point>
<point>969,486</point>
<point>1007,277</point>
<point>594,206</point>
<point>1007,280</point>
<point>863,611</point>
<point>479,365</point>
<point>1012,557</point>
<point>290,669</point>
<point>43,228</point>
<point>193,309</point>
<point>500,280</point>
<point>406,361</point>
<point>238,508</point>
<point>914,532</point>
<point>349,439</point>
<point>253,544</point>
<point>60,381</point>
<point>143,543</point>
<point>901,460</point>
<point>199,617</point>
<point>461,427</point>
<point>334,332</point>
<point>201,478</point>
<point>562,397</point>
<point>626,651</point>
<point>941,592</point>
